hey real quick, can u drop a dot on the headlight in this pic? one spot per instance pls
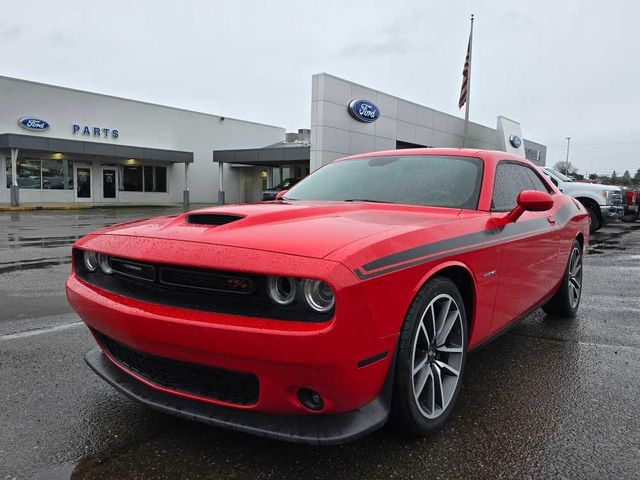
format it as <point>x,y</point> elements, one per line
<point>282,290</point>
<point>318,295</point>
<point>90,260</point>
<point>105,263</point>
<point>607,196</point>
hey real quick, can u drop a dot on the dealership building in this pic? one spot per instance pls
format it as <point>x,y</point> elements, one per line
<point>60,145</point>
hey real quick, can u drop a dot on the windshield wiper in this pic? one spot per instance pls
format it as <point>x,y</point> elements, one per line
<point>365,200</point>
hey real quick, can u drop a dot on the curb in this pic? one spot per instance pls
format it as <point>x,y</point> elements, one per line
<point>29,208</point>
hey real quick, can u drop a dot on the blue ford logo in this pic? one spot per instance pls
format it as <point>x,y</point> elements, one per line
<point>33,124</point>
<point>364,111</point>
<point>515,140</point>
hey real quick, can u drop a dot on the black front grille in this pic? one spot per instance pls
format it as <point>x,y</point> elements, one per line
<point>202,381</point>
<point>205,280</point>
<point>616,197</point>
<point>215,219</point>
<point>220,291</point>
<point>133,269</point>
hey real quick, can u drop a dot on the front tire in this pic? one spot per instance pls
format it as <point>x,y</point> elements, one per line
<point>566,300</point>
<point>595,216</point>
<point>432,352</point>
<point>630,217</point>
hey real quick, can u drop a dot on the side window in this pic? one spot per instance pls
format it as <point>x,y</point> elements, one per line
<point>511,179</point>
<point>538,184</point>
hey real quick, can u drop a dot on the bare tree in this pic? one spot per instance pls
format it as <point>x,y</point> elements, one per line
<point>565,167</point>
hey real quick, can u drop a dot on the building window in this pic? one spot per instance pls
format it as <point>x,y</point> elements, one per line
<point>161,179</point>
<point>148,179</point>
<point>138,178</point>
<point>155,179</point>
<point>57,174</point>
<point>29,173</point>
<point>42,173</point>
<point>400,145</point>
<point>131,176</point>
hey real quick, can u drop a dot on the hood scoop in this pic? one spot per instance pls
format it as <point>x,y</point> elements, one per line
<point>212,219</point>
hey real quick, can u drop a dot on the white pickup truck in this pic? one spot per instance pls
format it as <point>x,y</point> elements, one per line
<point>602,201</point>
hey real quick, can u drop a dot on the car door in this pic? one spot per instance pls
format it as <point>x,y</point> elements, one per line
<point>528,260</point>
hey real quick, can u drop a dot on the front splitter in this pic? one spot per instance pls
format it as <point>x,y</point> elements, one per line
<point>311,429</point>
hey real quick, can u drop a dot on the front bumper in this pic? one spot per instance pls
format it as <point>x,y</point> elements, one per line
<point>312,429</point>
<point>612,211</point>
<point>330,358</point>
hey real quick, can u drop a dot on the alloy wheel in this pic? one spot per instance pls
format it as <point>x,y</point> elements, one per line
<point>438,351</point>
<point>575,277</point>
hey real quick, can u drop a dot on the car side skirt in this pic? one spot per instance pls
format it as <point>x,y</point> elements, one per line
<point>513,323</point>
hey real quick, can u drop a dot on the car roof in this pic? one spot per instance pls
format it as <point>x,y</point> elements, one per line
<point>488,156</point>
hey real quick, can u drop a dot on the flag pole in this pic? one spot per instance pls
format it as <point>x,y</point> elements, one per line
<point>468,99</point>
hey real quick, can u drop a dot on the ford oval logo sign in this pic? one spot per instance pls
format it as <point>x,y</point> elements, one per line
<point>515,141</point>
<point>364,111</point>
<point>33,124</point>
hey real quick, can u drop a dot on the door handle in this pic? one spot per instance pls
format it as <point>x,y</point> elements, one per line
<point>551,219</point>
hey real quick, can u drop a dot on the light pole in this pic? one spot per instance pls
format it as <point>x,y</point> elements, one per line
<point>568,142</point>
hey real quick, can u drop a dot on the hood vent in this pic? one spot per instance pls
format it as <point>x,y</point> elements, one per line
<point>214,219</point>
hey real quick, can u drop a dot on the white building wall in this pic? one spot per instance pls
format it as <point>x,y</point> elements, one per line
<point>334,133</point>
<point>139,124</point>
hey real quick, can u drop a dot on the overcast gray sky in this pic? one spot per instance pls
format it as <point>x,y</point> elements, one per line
<point>561,68</point>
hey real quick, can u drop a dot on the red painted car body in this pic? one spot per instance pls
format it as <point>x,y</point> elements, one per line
<point>375,257</point>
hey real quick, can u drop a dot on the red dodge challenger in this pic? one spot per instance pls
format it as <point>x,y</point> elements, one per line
<point>353,298</point>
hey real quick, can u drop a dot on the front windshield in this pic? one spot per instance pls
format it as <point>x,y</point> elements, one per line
<point>413,179</point>
<point>559,175</point>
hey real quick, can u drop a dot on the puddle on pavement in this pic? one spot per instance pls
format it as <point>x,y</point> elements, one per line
<point>601,242</point>
<point>14,241</point>
<point>33,264</point>
<point>60,472</point>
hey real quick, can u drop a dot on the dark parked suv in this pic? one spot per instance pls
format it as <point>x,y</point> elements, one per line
<point>270,193</point>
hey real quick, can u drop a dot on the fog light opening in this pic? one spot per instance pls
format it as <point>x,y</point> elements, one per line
<point>310,399</point>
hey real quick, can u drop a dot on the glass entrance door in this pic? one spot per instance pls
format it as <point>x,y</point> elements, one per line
<point>82,177</point>
<point>109,183</point>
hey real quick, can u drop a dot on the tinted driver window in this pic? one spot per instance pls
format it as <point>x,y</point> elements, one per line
<point>511,179</point>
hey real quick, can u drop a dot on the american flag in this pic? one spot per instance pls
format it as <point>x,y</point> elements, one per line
<point>465,77</point>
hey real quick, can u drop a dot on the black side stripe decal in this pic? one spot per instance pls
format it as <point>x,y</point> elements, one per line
<point>463,243</point>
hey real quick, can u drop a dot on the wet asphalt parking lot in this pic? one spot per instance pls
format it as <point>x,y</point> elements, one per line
<point>551,398</point>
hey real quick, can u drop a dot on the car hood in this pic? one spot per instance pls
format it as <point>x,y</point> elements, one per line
<point>310,229</point>
<point>595,187</point>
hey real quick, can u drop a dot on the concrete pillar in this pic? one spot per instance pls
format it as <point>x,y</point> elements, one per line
<point>15,189</point>
<point>220,183</point>
<point>185,193</point>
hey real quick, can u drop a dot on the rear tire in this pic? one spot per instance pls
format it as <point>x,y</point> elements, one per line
<point>432,352</point>
<point>566,301</point>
